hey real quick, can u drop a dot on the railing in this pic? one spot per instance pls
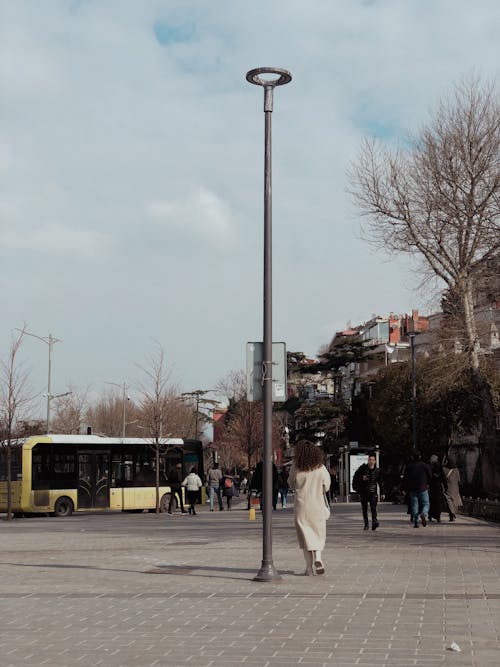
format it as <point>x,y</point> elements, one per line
<point>482,508</point>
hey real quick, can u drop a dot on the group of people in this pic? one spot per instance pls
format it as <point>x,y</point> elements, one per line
<point>221,485</point>
<point>279,484</point>
<point>429,488</point>
<point>432,488</point>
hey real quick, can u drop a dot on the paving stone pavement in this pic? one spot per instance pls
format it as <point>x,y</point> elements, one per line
<point>145,590</point>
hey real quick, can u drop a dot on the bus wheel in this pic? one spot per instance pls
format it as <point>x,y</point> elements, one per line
<point>63,507</point>
<point>164,502</point>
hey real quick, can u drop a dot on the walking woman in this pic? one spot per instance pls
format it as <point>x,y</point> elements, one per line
<point>311,480</point>
<point>227,487</point>
<point>193,484</point>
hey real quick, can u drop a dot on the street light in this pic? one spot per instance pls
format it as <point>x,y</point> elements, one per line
<point>268,78</point>
<point>48,340</point>
<point>124,388</point>
<point>411,335</point>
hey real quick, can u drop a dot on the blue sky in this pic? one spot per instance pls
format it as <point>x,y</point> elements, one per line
<point>131,171</point>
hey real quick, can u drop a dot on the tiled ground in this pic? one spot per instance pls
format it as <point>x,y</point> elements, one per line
<point>119,589</point>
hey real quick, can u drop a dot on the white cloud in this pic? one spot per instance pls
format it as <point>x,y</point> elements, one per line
<point>57,241</point>
<point>202,217</point>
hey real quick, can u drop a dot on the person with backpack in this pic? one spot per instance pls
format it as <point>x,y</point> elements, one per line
<point>366,481</point>
<point>227,487</point>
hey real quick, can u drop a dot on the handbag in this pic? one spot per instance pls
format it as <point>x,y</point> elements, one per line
<point>326,504</point>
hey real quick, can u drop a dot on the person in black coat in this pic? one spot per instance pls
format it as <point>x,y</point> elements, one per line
<point>366,481</point>
<point>437,489</point>
<point>175,479</point>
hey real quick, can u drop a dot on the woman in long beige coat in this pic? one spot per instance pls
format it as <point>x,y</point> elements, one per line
<point>311,480</point>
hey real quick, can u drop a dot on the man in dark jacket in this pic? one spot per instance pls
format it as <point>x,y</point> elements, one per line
<point>366,481</point>
<point>416,480</point>
<point>175,479</point>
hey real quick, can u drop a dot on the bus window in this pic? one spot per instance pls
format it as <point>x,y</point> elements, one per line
<point>16,457</point>
<point>41,471</point>
<point>65,473</point>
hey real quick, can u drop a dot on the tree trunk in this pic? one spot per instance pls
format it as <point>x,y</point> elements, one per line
<point>9,480</point>
<point>157,471</point>
<point>489,446</point>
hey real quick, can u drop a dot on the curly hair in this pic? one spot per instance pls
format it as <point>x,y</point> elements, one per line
<point>307,456</point>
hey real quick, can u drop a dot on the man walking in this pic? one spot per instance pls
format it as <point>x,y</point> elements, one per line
<point>175,481</point>
<point>366,481</point>
<point>416,480</point>
<point>214,476</point>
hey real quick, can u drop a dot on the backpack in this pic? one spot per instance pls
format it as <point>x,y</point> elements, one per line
<point>228,483</point>
<point>357,480</point>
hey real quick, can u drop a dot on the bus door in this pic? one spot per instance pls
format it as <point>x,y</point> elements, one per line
<point>93,480</point>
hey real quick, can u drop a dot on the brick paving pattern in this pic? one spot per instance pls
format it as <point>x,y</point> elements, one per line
<point>165,591</point>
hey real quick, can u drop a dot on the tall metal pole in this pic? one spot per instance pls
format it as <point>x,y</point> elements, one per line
<point>260,77</point>
<point>49,340</point>
<point>124,426</point>
<point>124,388</point>
<point>413,390</point>
<point>49,382</point>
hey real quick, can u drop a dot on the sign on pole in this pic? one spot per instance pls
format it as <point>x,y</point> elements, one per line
<point>255,353</point>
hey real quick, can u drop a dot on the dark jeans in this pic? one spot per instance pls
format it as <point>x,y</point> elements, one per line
<point>372,500</point>
<point>176,490</point>
<point>192,497</point>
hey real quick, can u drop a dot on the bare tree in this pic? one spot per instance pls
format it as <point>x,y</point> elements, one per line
<point>70,411</point>
<point>243,436</point>
<point>161,414</point>
<point>105,415</point>
<point>14,404</point>
<point>439,200</point>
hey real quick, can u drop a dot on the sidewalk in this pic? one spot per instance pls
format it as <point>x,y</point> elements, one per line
<point>81,591</point>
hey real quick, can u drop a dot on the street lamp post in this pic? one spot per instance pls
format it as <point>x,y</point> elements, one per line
<point>268,78</point>
<point>413,388</point>
<point>48,340</point>
<point>124,388</point>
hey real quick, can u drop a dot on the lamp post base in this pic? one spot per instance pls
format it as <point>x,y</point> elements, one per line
<point>268,572</point>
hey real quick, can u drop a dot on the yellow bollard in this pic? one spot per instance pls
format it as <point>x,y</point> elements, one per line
<point>251,514</point>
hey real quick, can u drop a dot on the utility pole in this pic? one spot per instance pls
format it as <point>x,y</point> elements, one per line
<point>48,340</point>
<point>124,388</point>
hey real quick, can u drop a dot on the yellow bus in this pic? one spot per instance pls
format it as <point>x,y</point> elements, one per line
<point>62,474</point>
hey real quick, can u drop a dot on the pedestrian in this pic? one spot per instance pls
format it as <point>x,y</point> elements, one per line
<point>452,495</point>
<point>227,487</point>
<point>311,480</point>
<point>366,482</point>
<point>243,483</point>
<point>283,486</point>
<point>257,483</point>
<point>275,487</point>
<point>416,480</point>
<point>193,484</point>
<point>334,485</point>
<point>175,481</point>
<point>437,489</point>
<point>214,476</point>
